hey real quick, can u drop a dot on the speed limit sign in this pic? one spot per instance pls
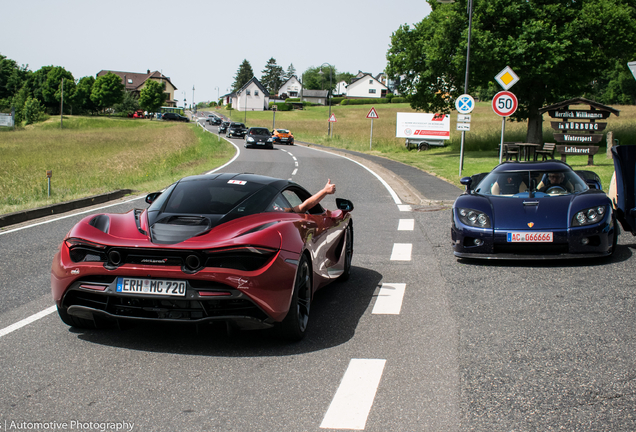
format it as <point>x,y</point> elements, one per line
<point>504,103</point>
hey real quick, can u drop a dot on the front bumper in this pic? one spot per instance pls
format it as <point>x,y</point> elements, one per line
<point>469,242</point>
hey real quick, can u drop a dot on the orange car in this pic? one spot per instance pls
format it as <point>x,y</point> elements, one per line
<point>282,136</point>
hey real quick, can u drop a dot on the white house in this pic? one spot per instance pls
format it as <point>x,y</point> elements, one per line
<point>291,87</point>
<point>366,86</point>
<point>341,89</point>
<point>251,97</point>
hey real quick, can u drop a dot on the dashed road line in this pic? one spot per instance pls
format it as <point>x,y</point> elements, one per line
<point>389,300</point>
<point>401,252</point>
<point>352,402</point>
<point>405,207</point>
<point>406,224</point>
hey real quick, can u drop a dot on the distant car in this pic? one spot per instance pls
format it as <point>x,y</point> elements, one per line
<point>533,210</point>
<point>236,129</point>
<point>138,114</point>
<point>223,126</point>
<point>283,136</point>
<point>211,119</point>
<point>259,137</point>
<point>216,121</point>
<point>174,117</point>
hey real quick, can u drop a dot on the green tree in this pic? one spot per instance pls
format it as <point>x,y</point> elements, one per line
<point>272,76</point>
<point>344,76</point>
<point>152,96</point>
<point>107,91</point>
<point>51,88</point>
<point>317,78</point>
<point>243,75</point>
<point>33,110</point>
<point>12,77</point>
<point>291,71</point>
<point>82,98</point>
<point>128,104</point>
<point>557,47</point>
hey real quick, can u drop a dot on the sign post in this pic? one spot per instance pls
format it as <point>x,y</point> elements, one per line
<point>372,115</point>
<point>504,104</point>
<point>332,119</point>
<point>464,105</point>
<point>49,174</point>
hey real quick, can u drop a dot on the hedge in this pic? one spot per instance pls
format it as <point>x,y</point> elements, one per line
<point>280,106</point>
<point>370,101</point>
<point>398,100</point>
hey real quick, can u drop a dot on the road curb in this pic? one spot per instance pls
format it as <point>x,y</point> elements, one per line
<point>26,215</point>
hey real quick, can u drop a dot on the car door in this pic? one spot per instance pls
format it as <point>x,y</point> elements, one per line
<point>326,231</point>
<point>625,176</point>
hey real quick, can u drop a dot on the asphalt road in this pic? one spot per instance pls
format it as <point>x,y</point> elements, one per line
<point>473,346</point>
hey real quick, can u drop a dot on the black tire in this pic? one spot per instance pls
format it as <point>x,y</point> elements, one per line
<point>348,254</point>
<point>74,321</point>
<point>294,326</point>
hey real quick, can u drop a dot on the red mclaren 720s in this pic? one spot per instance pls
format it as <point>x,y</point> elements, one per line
<point>208,248</point>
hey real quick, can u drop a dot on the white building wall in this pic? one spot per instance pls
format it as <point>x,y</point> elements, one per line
<point>292,85</point>
<point>362,87</point>
<point>254,101</point>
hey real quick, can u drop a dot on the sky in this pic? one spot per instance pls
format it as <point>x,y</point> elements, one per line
<point>201,44</point>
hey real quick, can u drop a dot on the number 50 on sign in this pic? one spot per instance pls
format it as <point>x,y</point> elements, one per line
<point>504,104</point>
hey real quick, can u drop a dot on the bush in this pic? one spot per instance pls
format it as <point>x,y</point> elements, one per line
<point>398,100</point>
<point>228,106</point>
<point>33,110</point>
<point>280,106</point>
<point>289,100</point>
<point>337,100</point>
<point>369,101</point>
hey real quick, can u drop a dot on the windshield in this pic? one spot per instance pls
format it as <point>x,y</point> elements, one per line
<point>259,131</point>
<point>237,125</point>
<point>284,131</point>
<point>523,184</point>
<point>205,196</point>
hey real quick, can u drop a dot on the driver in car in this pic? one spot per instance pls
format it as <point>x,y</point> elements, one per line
<point>555,179</point>
<point>310,202</point>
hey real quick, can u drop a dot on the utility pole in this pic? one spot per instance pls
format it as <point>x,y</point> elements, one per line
<point>62,105</point>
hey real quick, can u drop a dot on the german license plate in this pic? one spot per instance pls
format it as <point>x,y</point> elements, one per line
<point>284,139</point>
<point>157,287</point>
<point>530,237</point>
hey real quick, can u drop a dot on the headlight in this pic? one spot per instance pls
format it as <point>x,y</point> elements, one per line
<point>250,139</point>
<point>473,218</point>
<point>270,140</point>
<point>589,216</point>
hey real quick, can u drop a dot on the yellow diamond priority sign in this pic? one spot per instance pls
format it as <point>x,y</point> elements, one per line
<point>507,78</point>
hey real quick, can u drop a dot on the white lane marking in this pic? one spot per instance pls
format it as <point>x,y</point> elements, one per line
<point>401,252</point>
<point>13,327</point>
<point>406,225</point>
<point>295,171</point>
<point>405,208</point>
<point>389,300</point>
<point>352,403</point>
<point>395,197</point>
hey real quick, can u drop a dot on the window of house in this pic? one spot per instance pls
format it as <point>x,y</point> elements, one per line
<point>372,91</point>
<point>255,92</point>
<point>247,92</point>
<point>370,81</point>
<point>129,80</point>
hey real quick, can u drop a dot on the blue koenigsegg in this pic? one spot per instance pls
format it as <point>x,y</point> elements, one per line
<point>542,210</point>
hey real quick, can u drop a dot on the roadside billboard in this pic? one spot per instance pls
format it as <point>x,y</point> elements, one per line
<point>423,126</point>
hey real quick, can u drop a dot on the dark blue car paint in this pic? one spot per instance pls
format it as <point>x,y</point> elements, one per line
<point>625,167</point>
<point>545,213</point>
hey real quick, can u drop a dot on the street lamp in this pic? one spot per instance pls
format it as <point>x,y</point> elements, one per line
<point>470,26</point>
<point>195,107</point>
<point>217,95</point>
<point>328,94</point>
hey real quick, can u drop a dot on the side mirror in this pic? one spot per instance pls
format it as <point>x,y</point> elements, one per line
<point>151,197</point>
<point>593,184</point>
<point>344,204</point>
<point>467,181</point>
